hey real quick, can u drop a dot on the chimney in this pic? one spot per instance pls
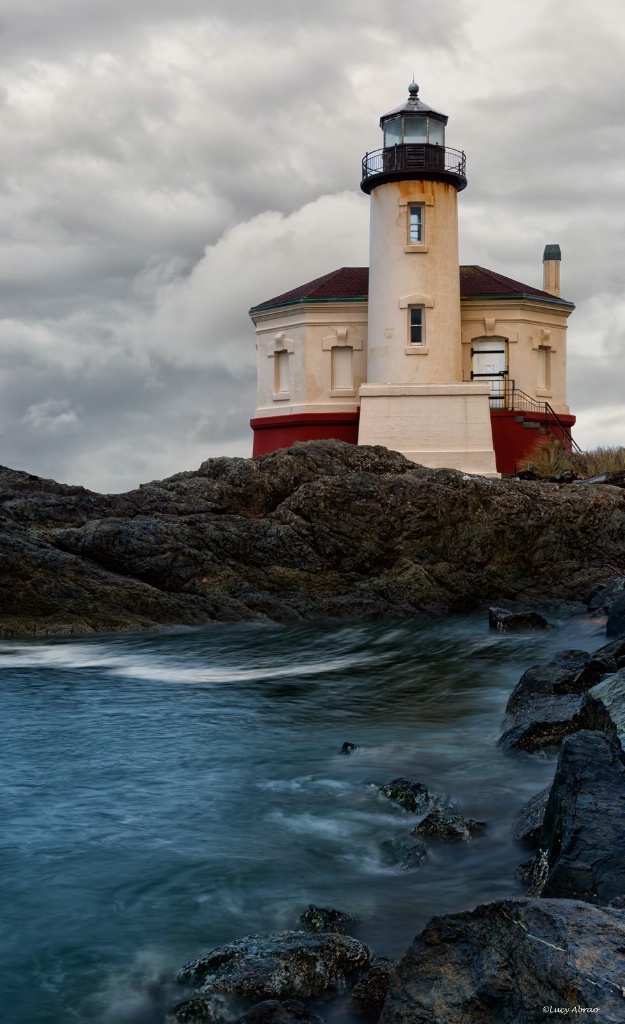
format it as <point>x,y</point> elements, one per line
<point>551,269</point>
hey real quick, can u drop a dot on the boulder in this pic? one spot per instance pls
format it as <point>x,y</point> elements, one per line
<point>289,964</point>
<point>348,748</point>
<point>528,823</point>
<point>556,677</point>
<point>404,853</point>
<point>508,962</point>
<point>413,796</point>
<point>508,622</point>
<point>368,995</point>
<point>449,828</point>
<point>545,721</point>
<point>582,842</point>
<point>615,626</point>
<point>604,596</point>
<point>326,919</point>
<point>608,698</point>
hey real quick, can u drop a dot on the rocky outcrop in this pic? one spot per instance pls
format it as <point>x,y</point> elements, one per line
<point>504,962</point>
<point>528,823</point>
<point>281,966</point>
<point>322,529</point>
<point>581,852</point>
<point>448,828</point>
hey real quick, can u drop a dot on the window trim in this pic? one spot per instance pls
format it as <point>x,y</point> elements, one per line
<point>421,308</point>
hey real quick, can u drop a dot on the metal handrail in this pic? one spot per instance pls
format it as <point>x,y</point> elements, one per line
<point>414,157</point>
<point>512,398</point>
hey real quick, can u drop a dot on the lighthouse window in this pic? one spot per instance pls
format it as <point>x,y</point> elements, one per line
<point>416,325</point>
<point>392,132</point>
<point>281,365</point>
<point>415,228</point>
<point>415,129</point>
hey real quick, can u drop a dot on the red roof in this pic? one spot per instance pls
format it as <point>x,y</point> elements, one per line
<point>352,283</point>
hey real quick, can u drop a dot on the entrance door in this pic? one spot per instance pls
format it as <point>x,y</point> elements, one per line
<point>490,363</point>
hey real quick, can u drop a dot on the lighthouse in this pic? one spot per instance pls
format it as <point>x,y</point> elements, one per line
<point>453,366</point>
<point>415,399</point>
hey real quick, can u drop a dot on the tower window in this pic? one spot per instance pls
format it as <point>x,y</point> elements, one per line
<point>342,378</point>
<point>281,373</point>
<point>417,325</point>
<point>415,225</point>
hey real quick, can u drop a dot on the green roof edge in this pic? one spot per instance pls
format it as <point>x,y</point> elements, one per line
<point>299,302</point>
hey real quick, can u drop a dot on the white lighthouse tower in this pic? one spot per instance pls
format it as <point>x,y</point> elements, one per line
<point>415,400</point>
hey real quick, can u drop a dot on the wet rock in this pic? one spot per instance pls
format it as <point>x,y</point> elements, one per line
<point>583,834</point>
<point>414,796</point>
<point>326,919</point>
<point>525,871</point>
<point>348,748</point>
<point>449,828</point>
<point>545,721</point>
<point>608,698</point>
<point>368,995</point>
<point>618,903</point>
<point>288,964</point>
<point>405,853</point>
<point>556,677</point>
<point>528,823</point>
<point>502,962</point>
<point>603,598</point>
<point>272,1011</point>
<point>615,626</point>
<point>507,621</point>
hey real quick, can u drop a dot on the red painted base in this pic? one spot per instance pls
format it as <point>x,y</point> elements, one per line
<point>272,432</point>
<point>512,441</point>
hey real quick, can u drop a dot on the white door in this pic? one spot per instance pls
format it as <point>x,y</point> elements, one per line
<point>490,363</point>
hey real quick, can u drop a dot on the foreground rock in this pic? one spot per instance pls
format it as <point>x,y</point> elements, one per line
<point>543,722</point>
<point>449,828</point>
<point>503,962</point>
<point>322,529</point>
<point>327,919</point>
<point>581,852</point>
<point>368,995</point>
<point>608,698</point>
<point>413,796</point>
<point>281,966</point>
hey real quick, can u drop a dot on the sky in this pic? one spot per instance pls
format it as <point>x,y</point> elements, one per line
<point>167,164</point>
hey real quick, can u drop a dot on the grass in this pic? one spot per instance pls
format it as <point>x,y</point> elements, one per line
<point>550,457</point>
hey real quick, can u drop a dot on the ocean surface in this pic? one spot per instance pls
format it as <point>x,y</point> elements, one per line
<point>166,792</point>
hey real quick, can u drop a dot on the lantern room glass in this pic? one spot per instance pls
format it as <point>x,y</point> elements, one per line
<point>411,129</point>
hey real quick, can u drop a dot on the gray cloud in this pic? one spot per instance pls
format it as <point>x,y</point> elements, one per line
<point>166,165</point>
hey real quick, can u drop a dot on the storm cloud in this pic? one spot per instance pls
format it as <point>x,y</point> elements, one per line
<point>169,163</point>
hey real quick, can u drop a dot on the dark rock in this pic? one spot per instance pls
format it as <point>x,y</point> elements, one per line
<point>615,626</point>
<point>604,598</point>
<point>507,621</point>
<point>545,721</point>
<point>326,919</point>
<point>405,853</point>
<point>413,796</point>
<point>608,699</point>
<point>368,995</point>
<point>198,1011</point>
<point>283,965</point>
<point>503,962</point>
<point>583,835</point>
<point>528,823</point>
<point>252,539</point>
<point>556,677</point>
<point>618,903</point>
<point>525,871</point>
<point>348,748</point>
<point>272,1011</point>
<point>615,649</point>
<point>449,828</point>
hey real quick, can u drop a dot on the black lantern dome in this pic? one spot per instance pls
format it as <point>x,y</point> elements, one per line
<point>414,147</point>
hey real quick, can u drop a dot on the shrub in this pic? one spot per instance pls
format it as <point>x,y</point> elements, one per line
<point>550,457</point>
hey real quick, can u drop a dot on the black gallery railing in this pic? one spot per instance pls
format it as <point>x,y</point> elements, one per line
<point>414,157</point>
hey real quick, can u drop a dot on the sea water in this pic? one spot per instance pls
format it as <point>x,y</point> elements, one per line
<point>163,793</point>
